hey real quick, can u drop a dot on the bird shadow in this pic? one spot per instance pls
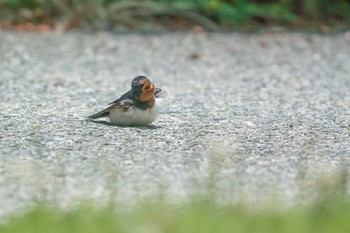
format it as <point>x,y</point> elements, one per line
<point>148,127</point>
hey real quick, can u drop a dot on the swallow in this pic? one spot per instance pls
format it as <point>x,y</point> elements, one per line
<point>137,107</point>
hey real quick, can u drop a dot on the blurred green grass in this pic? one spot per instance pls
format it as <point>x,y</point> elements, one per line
<point>199,216</point>
<point>211,14</point>
<point>327,212</point>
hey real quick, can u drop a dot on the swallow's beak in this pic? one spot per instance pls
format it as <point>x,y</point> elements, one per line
<point>147,91</point>
<point>148,86</point>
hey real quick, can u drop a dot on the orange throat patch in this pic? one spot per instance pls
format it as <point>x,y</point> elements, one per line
<point>147,97</point>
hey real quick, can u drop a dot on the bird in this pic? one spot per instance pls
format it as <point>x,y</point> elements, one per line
<point>137,107</point>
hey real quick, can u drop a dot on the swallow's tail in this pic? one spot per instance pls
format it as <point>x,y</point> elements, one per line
<point>103,113</point>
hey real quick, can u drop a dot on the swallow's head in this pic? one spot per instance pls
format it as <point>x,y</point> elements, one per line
<point>142,89</point>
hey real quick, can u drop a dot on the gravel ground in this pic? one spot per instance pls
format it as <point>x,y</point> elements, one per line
<point>244,115</point>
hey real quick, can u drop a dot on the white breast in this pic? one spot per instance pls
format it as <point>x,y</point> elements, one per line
<point>134,116</point>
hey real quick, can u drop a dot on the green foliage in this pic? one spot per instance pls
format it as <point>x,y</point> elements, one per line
<point>327,212</point>
<point>197,216</point>
<point>108,13</point>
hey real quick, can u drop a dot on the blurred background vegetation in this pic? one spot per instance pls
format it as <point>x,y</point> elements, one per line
<point>328,211</point>
<point>177,14</point>
<point>180,14</point>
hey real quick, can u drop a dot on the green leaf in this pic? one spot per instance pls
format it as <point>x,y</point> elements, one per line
<point>185,5</point>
